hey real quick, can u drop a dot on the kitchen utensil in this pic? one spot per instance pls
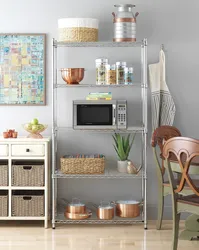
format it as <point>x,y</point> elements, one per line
<point>72,75</point>
<point>131,169</point>
<point>5,135</point>
<point>76,207</point>
<point>14,135</point>
<point>124,23</point>
<point>35,133</point>
<point>127,208</point>
<point>105,211</point>
<point>82,216</point>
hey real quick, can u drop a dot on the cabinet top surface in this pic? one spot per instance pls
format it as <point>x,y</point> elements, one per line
<point>24,139</point>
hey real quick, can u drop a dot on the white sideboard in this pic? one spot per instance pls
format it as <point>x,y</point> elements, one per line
<point>26,150</point>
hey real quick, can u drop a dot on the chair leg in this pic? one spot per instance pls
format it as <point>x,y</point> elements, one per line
<point>176,222</point>
<point>160,208</point>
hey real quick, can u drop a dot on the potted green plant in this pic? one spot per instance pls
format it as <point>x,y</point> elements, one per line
<point>122,147</point>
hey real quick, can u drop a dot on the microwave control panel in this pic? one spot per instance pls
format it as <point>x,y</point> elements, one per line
<point>122,115</point>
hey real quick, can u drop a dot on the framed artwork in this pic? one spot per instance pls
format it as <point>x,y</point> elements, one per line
<point>22,69</point>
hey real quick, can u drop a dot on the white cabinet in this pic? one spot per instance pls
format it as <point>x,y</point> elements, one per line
<point>3,150</point>
<point>27,154</point>
<point>28,150</point>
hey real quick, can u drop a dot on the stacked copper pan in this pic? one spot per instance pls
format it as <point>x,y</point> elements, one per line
<point>77,210</point>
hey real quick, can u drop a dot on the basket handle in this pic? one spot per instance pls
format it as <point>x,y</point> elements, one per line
<point>27,167</point>
<point>27,198</point>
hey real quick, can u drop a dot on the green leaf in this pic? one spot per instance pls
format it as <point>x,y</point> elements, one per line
<point>115,139</point>
<point>121,149</point>
<point>126,144</point>
<point>130,146</point>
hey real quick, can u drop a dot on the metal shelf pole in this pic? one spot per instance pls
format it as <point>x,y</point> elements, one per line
<point>54,79</point>
<point>145,128</point>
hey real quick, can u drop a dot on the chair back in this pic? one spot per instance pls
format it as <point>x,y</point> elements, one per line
<point>159,137</point>
<point>185,150</point>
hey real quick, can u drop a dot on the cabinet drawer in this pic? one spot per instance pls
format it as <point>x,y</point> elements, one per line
<point>3,150</point>
<point>28,150</point>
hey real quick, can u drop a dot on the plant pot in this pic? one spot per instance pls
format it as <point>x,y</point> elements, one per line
<point>122,166</point>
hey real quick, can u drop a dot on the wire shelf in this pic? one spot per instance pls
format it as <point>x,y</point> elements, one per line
<point>60,218</point>
<point>98,44</point>
<point>137,129</point>
<point>110,173</point>
<point>64,85</point>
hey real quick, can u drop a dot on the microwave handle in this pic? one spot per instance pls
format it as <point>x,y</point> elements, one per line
<point>114,114</point>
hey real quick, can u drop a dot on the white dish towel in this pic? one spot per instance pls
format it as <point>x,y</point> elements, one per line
<point>163,106</point>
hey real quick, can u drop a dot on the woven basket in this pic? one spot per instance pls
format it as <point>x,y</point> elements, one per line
<point>78,34</point>
<point>28,204</point>
<point>3,175</point>
<point>3,205</point>
<point>28,175</point>
<point>82,165</point>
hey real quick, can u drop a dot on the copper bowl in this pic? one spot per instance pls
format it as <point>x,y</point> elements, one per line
<point>72,75</point>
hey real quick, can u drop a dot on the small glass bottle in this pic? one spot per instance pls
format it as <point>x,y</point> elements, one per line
<point>120,67</point>
<point>101,71</point>
<point>128,75</point>
<point>110,74</point>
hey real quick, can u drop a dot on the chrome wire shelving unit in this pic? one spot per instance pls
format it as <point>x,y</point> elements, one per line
<point>142,128</point>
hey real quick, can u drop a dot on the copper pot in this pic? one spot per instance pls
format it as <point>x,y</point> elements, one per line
<point>72,75</point>
<point>127,208</point>
<point>76,207</point>
<point>105,211</point>
<point>81,216</point>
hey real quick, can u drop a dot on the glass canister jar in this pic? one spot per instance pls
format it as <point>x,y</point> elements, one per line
<point>120,71</point>
<point>128,75</point>
<point>101,64</point>
<point>110,74</point>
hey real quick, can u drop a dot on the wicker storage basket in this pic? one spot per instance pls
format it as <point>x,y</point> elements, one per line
<point>28,203</point>
<point>3,174</point>
<point>82,165</point>
<point>28,175</point>
<point>3,204</point>
<point>78,30</point>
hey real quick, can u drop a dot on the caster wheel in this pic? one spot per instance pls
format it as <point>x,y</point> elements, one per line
<point>146,228</point>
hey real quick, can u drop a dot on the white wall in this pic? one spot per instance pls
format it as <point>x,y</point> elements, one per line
<point>173,23</point>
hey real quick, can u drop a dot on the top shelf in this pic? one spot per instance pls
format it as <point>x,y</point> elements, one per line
<point>99,44</point>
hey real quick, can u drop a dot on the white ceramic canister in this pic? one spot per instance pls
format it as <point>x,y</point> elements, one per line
<point>78,29</point>
<point>124,23</point>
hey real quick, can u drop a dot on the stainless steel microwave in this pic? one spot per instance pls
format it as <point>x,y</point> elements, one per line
<point>100,114</point>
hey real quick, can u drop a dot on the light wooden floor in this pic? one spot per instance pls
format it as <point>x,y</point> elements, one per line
<point>34,237</point>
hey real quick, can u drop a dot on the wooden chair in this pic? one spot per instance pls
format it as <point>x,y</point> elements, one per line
<point>186,150</point>
<point>160,135</point>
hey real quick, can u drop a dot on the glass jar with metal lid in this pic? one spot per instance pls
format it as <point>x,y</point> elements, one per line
<point>101,64</point>
<point>120,71</point>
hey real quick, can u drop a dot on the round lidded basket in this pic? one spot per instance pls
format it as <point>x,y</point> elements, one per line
<point>78,29</point>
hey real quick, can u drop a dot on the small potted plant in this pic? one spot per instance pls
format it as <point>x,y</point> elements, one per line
<point>122,147</point>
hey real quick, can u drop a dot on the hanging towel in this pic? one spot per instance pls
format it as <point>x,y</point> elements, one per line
<point>162,106</point>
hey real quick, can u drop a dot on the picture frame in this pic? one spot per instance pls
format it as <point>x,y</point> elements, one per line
<point>23,69</point>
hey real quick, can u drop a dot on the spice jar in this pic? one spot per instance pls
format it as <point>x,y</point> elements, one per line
<point>128,75</point>
<point>110,74</point>
<point>101,64</point>
<point>120,68</point>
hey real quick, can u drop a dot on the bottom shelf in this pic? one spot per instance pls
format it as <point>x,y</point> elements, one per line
<point>60,218</point>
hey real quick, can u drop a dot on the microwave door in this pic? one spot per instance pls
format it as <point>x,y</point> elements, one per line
<point>95,116</point>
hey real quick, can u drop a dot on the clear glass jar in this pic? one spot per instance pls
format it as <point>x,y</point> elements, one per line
<point>120,68</point>
<point>128,75</point>
<point>101,64</point>
<point>110,74</point>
